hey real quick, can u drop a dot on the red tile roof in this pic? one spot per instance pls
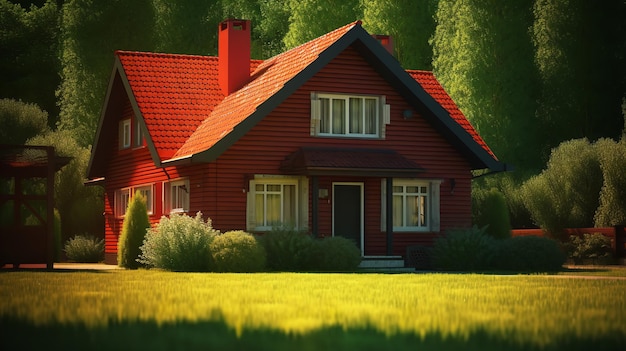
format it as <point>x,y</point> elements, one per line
<point>186,112</point>
<point>432,86</point>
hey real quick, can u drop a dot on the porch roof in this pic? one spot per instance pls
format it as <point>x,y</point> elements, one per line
<point>349,161</point>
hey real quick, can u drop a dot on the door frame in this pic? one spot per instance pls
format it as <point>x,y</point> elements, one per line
<point>362,205</point>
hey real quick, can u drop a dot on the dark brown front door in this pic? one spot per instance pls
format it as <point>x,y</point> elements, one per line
<point>348,211</point>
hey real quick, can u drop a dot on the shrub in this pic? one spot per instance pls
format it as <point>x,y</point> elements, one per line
<point>490,209</point>
<point>57,236</point>
<point>136,222</point>
<point>612,208</point>
<point>334,254</point>
<point>463,250</point>
<point>287,249</point>
<point>179,243</point>
<point>595,247</point>
<point>82,248</point>
<point>237,251</point>
<point>528,254</point>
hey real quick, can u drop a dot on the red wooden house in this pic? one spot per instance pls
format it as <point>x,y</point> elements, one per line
<point>333,137</point>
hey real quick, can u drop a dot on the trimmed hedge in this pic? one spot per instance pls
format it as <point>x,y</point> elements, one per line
<point>335,254</point>
<point>528,254</point>
<point>136,222</point>
<point>288,250</point>
<point>463,250</point>
<point>237,251</point>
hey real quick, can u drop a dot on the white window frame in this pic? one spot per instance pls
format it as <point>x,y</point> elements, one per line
<point>138,134</point>
<point>432,199</point>
<point>381,109</point>
<point>124,196</point>
<point>301,202</point>
<point>172,192</point>
<point>125,134</point>
<point>148,192</point>
<point>122,199</point>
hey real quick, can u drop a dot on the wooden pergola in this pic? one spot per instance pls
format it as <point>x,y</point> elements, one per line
<point>27,204</point>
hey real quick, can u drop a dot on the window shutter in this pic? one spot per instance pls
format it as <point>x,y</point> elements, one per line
<point>383,205</point>
<point>315,113</point>
<point>250,210</point>
<point>166,197</point>
<point>387,113</point>
<point>435,225</point>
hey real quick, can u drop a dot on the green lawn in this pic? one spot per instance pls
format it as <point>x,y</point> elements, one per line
<point>151,310</point>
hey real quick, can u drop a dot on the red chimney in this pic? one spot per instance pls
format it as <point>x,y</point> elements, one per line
<point>386,41</point>
<point>234,54</point>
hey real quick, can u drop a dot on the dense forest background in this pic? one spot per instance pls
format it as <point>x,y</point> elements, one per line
<point>530,75</point>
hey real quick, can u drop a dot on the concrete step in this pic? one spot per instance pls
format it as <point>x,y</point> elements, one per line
<point>382,262</point>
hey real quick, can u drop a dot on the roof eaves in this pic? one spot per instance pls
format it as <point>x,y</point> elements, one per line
<point>424,102</point>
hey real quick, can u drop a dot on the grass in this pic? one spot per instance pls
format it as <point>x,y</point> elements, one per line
<point>155,310</point>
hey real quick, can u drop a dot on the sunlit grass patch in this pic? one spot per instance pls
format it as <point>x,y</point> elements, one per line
<point>534,310</point>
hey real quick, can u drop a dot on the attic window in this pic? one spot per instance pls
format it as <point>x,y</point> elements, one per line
<point>340,115</point>
<point>125,133</point>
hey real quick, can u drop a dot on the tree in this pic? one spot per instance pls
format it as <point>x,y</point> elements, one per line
<point>80,207</point>
<point>581,58</point>
<point>21,121</point>
<point>489,209</point>
<point>612,208</point>
<point>90,33</point>
<point>136,223</point>
<point>29,69</point>
<point>410,23</point>
<point>565,194</point>
<point>483,56</point>
<point>310,19</point>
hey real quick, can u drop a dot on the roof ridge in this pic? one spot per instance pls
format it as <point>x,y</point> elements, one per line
<point>161,54</point>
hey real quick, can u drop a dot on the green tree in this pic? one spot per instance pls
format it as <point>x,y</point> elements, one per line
<point>565,194</point>
<point>21,121</point>
<point>612,208</point>
<point>581,58</point>
<point>136,223</point>
<point>483,56</point>
<point>80,207</point>
<point>489,209</point>
<point>29,64</point>
<point>310,19</point>
<point>90,33</point>
<point>410,23</point>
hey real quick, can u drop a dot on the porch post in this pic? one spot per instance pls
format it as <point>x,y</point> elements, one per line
<point>389,215</point>
<point>314,206</point>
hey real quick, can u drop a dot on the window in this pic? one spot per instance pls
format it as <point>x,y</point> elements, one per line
<point>125,134</point>
<point>138,134</point>
<point>348,115</point>
<point>276,201</point>
<point>146,191</point>
<point>415,205</point>
<point>123,196</point>
<point>176,196</point>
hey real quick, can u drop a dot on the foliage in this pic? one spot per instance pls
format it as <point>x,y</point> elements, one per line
<point>335,254</point>
<point>90,32</point>
<point>136,222</point>
<point>410,23</point>
<point>528,254</point>
<point>57,236</point>
<point>237,251</point>
<point>287,249</point>
<point>483,57</point>
<point>612,208</point>
<point>581,61</point>
<point>463,250</point>
<point>80,206</point>
<point>489,209</point>
<point>21,121</point>
<point>29,64</point>
<point>86,249</point>
<point>595,247</point>
<point>531,312</point>
<point>565,194</point>
<point>328,16</point>
<point>179,243</point>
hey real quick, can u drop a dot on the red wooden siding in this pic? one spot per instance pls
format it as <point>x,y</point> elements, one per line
<point>218,189</point>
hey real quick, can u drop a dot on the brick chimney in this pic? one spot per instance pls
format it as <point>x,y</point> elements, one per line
<point>386,41</point>
<point>233,54</point>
